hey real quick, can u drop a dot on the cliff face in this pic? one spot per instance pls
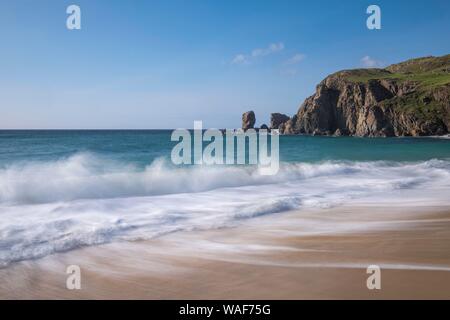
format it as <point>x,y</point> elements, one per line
<point>407,99</point>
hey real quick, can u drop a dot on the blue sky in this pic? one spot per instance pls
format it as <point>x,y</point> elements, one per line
<point>164,64</point>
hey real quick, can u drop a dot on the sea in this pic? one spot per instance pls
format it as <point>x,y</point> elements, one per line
<point>65,189</point>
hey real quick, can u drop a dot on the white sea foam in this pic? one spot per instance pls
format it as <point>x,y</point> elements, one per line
<point>445,136</point>
<point>84,176</point>
<point>85,200</point>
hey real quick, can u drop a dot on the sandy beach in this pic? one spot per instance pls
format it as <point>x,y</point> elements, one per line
<point>318,254</point>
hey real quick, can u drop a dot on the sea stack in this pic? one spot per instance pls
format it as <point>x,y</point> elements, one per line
<point>248,120</point>
<point>277,119</point>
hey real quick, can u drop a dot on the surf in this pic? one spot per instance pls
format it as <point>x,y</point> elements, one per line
<point>84,200</point>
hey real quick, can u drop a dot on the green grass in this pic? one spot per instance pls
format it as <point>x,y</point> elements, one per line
<point>426,80</point>
<point>422,65</point>
<point>428,72</point>
<point>414,104</point>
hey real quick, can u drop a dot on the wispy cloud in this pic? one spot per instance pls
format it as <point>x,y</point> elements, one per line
<point>295,59</point>
<point>369,62</point>
<point>240,59</point>
<point>272,48</point>
<point>290,66</point>
<point>257,53</point>
<point>289,71</point>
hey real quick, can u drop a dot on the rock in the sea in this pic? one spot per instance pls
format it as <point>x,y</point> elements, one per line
<point>248,120</point>
<point>277,119</point>
<point>340,132</point>
<point>288,126</point>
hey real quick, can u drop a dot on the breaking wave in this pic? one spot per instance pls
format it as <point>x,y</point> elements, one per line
<point>83,200</point>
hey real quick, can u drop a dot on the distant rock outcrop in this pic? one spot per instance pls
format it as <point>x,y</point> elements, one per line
<point>407,99</point>
<point>277,119</point>
<point>248,120</point>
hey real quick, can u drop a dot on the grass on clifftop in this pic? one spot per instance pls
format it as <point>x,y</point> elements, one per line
<point>426,80</point>
<point>428,72</point>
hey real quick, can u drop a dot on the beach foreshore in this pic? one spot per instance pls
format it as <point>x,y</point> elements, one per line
<point>310,254</point>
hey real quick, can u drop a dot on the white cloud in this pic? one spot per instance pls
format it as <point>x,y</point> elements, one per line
<point>259,52</point>
<point>295,59</point>
<point>290,66</point>
<point>239,59</point>
<point>272,48</point>
<point>368,62</point>
<point>289,71</point>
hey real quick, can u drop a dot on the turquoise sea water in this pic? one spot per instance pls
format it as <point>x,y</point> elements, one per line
<point>61,190</point>
<point>141,147</point>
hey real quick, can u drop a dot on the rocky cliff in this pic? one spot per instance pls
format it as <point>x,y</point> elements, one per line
<point>406,99</point>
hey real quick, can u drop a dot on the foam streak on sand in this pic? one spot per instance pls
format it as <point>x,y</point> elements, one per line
<point>257,261</point>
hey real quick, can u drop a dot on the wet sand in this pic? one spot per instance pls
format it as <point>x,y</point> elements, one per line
<point>318,254</point>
